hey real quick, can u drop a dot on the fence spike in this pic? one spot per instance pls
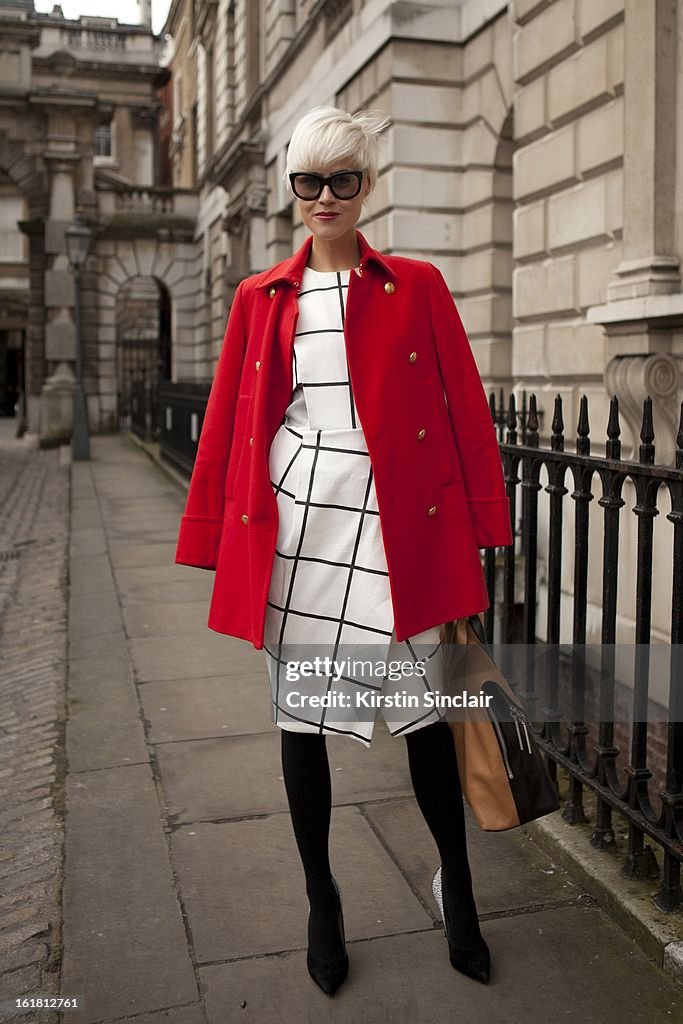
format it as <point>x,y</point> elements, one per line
<point>557,434</point>
<point>679,441</point>
<point>531,431</point>
<point>583,441</point>
<point>532,418</point>
<point>512,420</point>
<point>646,452</point>
<point>613,445</point>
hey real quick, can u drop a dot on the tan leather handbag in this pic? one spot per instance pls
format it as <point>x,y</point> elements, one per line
<point>502,770</point>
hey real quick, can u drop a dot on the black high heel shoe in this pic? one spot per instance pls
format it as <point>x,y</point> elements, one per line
<point>474,961</point>
<point>328,974</point>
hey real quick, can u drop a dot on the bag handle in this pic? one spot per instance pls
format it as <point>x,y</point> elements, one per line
<point>449,630</point>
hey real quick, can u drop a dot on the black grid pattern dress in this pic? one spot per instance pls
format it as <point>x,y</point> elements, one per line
<point>329,591</point>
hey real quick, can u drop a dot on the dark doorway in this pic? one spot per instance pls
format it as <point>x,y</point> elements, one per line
<point>143,354</point>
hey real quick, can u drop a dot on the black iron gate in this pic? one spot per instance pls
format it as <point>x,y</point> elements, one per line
<point>143,360</point>
<point>138,373</point>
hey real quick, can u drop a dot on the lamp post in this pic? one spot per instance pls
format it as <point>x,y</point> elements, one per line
<point>77,237</point>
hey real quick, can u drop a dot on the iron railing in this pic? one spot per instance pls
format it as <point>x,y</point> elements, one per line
<point>138,408</point>
<point>611,748</point>
<point>138,402</point>
<point>593,752</point>
<point>181,409</point>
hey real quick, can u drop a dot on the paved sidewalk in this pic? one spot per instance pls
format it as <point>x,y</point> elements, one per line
<point>184,897</point>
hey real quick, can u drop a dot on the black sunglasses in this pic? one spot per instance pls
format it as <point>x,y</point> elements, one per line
<point>343,184</point>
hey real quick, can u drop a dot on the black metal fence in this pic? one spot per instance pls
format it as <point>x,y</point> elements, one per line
<point>138,408</point>
<point>140,404</point>
<point>629,764</point>
<point>181,415</point>
<point>615,751</point>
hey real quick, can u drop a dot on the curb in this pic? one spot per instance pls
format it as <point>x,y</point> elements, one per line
<point>628,901</point>
<point>151,449</point>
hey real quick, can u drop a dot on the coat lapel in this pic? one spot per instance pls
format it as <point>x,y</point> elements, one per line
<point>292,269</point>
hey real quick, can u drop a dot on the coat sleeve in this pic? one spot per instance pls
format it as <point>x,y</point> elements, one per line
<point>470,416</point>
<point>202,522</point>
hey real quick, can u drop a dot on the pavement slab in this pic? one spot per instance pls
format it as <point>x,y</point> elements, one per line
<point>498,860</point>
<point>223,867</point>
<point>186,654</point>
<point>220,706</point>
<point>234,776</point>
<point>125,946</point>
<point>104,727</point>
<point>142,619</point>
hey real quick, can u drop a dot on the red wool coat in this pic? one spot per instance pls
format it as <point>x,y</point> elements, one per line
<point>428,429</point>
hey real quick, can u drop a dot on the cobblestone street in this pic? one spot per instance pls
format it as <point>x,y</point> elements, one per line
<point>34,519</point>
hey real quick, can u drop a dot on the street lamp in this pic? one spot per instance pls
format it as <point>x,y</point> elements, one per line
<point>77,237</point>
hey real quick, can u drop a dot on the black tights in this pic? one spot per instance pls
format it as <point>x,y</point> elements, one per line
<point>436,783</point>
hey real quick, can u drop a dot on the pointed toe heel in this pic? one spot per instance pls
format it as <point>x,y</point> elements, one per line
<point>329,973</point>
<point>475,962</point>
<point>472,961</point>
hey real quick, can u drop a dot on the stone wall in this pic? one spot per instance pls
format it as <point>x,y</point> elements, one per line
<point>568,185</point>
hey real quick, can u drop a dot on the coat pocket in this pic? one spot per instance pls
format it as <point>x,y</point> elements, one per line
<point>240,442</point>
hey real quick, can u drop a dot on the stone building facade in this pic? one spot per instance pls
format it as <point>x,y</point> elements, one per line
<point>551,204</point>
<point>79,127</point>
<point>518,161</point>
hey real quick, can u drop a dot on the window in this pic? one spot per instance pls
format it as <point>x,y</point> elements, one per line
<point>103,140</point>
<point>209,106</point>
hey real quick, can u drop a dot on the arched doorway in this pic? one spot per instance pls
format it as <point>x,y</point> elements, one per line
<point>143,353</point>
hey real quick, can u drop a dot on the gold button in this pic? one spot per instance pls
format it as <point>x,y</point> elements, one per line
<point>389,288</point>
<point>431,511</point>
<point>251,440</point>
<point>296,284</point>
<point>272,293</point>
<point>245,519</point>
<point>421,434</point>
<point>258,364</point>
<point>412,357</point>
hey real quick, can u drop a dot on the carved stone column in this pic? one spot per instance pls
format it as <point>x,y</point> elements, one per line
<point>650,265</point>
<point>60,352</point>
<point>245,217</point>
<point>645,299</point>
<point>632,379</point>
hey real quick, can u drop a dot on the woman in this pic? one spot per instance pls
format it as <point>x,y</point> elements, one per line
<point>351,437</point>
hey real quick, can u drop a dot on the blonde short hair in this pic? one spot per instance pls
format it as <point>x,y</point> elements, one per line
<point>327,135</point>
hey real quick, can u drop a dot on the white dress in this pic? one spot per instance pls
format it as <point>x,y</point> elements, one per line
<point>329,593</point>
